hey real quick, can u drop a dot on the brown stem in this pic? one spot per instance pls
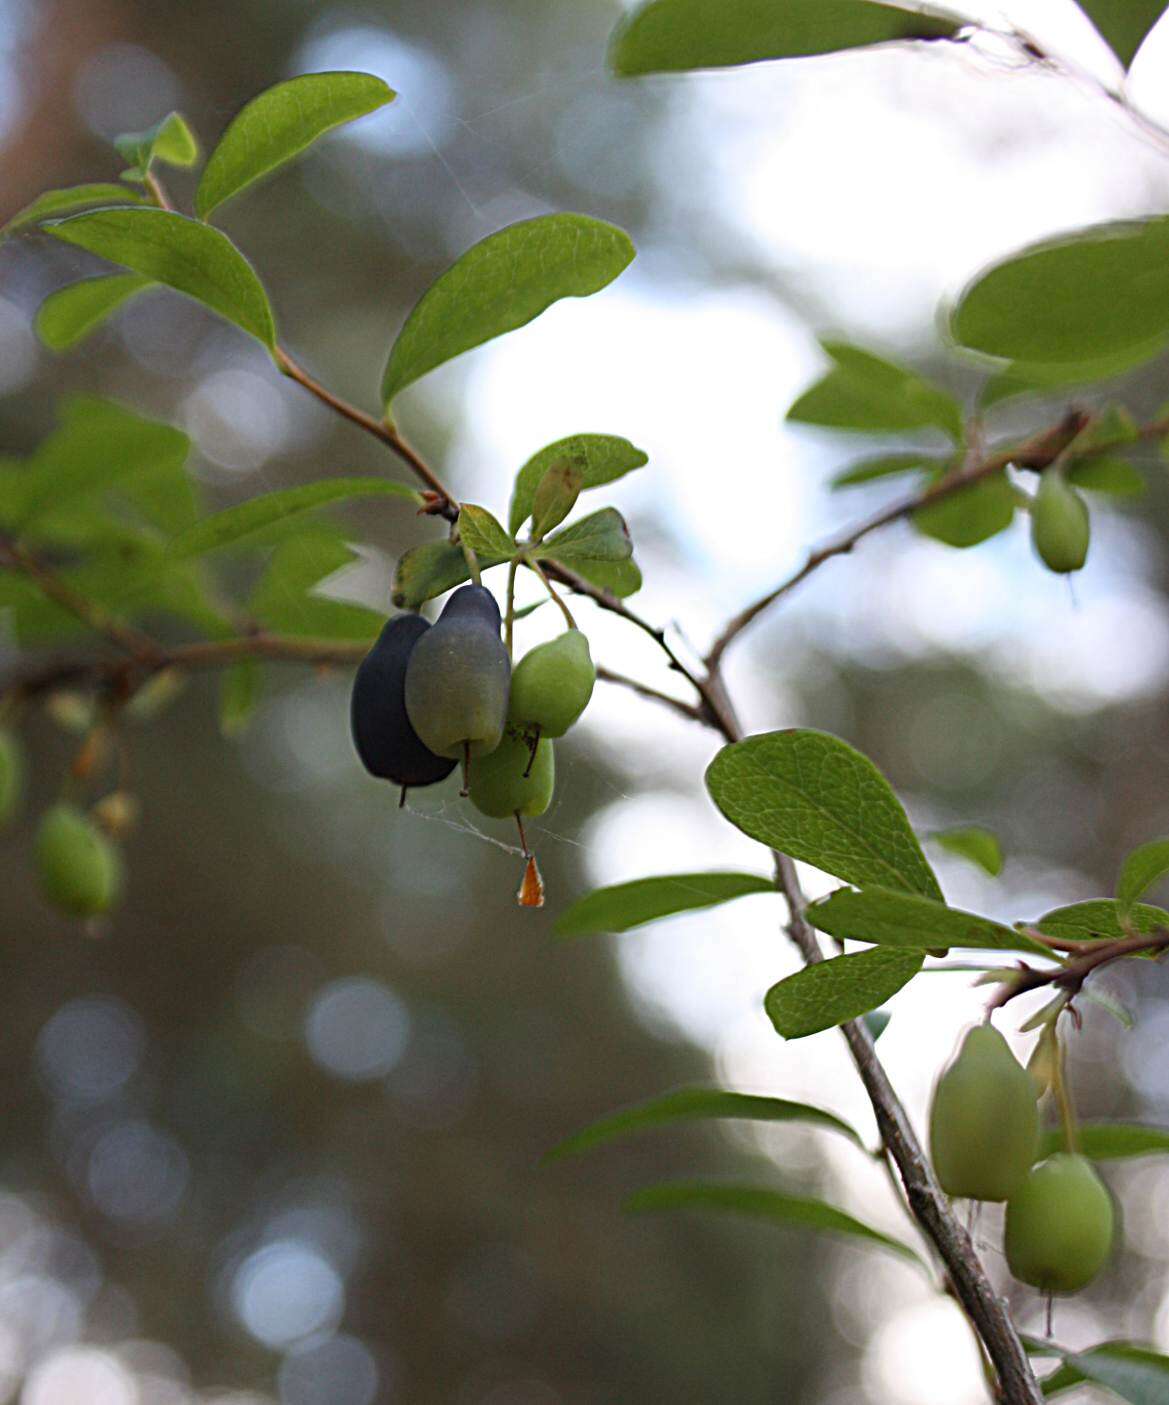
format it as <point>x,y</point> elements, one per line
<point>447,505</point>
<point>643,690</point>
<point>1070,977</point>
<point>125,677</point>
<point>130,640</point>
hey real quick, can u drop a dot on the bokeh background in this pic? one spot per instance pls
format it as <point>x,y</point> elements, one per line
<point>276,1135</point>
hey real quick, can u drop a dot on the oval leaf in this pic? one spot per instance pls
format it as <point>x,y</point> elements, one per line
<point>430,569</point>
<point>971,515</point>
<point>188,256</point>
<point>980,846</point>
<point>619,578</point>
<point>482,533</point>
<point>840,989</point>
<point>891,918</point>
<point>1099,919</point>
<point>765,1204</point>
<point>601,536</point>
<point>866,392</point>
<point>881,466</point>
<point>601,458</point>
<point>1111,1141</point>
<point>1133,1373</point>
<point>70,314</point>
<point>279,124</point>
<point>697,1104</point>
<point>74,197</point>
<point>555,497</point>
<point>170,141</point>
<point>235,524</point>
<point>1142,868</point>
<point>626,905</point>
<point>1072,299</point>
<point>668,36</point>
<point>810,795</point>
<point>502,283</point>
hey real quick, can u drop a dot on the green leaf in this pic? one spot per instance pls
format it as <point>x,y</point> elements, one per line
<point>882,466</point>
<point>279,124</point>
<point>98,445</point>
<point>235,524</point>
<point>430,569</point>
<point>670,36</point>
<point>601,458</point>
<point>1072,299</point>
<point>1099,919</point>
<point>1134,1373</point>
<point>693,1105</point>
<point>502,283</point>
<point>760,1203</point>
<point>810,795</point>
<point>239,695</point>
<point>1111,1141</point>
<point>980,846</point>
<point>1032,378</point>
<point>840,989</point>
<point>619,578</point>
<point>877,1022</point>
<point>286,598</point>
<point>74,197</point>
<point>170,141</point>
<point>869,393</point>
<point>555,497</point>
<point>601,536</point>
<point>1105,475</point>
<point>1124,24</point>
<point>1143,867</point>
<point>482,533</point>
<point>970,516</point>
<point>626,905</point>
<point>70,314</point>
<point>902,919</point>
<point>188,256</point>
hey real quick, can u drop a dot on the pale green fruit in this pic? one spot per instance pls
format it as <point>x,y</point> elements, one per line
<point>80,870</point>
<point>499,787</point>
<point>1060,1225</point>
<point>552,685</point>
<point>1060,527</point>
<point>457,678</point>
<point>984,1120</point>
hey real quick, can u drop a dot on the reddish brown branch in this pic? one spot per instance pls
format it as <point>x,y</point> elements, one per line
<point>1070,977</point>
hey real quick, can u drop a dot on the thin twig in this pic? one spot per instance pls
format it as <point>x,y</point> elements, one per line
<point>1070,977</point>
<point>1036,453</point>
<point>447,505</point>
<point>643,690</point>
<point>125,637</point>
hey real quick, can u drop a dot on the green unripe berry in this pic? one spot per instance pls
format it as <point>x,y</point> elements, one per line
<point>1060,528</point>
<point>984,1120</point>
<point>552,685</point>
<point>11,776</point>
<point>457,678</point>
<point>1059,1225</point>
<point>499,787</point>
<point>80,870</point>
